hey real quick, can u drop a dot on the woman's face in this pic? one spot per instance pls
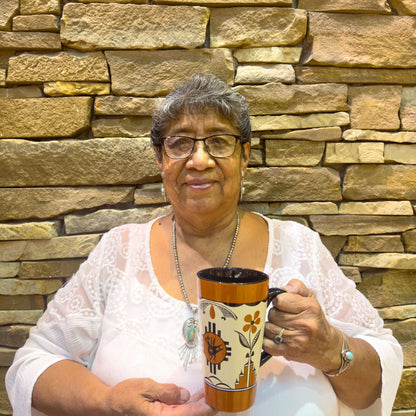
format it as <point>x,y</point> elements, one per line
<point>201,183</point>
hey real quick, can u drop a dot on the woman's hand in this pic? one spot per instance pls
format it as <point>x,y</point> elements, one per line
<point>139,397</point>
<point>308,337</point>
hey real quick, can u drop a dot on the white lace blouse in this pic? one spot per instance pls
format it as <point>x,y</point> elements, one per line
<point>115,318</point>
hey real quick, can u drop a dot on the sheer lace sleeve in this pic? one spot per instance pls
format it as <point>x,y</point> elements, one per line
<point>69,329</point>
<point>299,253</point>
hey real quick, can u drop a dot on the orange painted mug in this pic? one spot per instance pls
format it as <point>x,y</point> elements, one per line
<point>232,310</point>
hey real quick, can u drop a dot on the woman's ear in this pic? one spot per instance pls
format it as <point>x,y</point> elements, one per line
<point>245,154</point>
<point>159,156</point>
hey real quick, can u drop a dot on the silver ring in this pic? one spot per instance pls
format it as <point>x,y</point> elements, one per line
<point>278,339</point>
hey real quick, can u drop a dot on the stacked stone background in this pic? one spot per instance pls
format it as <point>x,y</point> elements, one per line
<point>332,92</point>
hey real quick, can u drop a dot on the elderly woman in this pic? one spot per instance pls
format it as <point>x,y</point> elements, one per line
<point>108,343</point>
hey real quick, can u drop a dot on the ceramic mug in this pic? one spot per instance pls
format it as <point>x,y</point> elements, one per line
<point>232,310</point>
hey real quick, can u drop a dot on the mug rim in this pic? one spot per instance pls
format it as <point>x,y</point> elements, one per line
<point>232,279</point>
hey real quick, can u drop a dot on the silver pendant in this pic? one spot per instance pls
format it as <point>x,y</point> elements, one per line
<point>190,331</point>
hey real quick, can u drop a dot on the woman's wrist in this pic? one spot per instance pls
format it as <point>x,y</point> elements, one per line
<point>346,357</point>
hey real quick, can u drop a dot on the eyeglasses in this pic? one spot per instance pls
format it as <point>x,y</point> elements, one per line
<point>217,145</point>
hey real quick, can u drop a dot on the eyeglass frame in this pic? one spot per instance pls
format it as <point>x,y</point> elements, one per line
<point>236,137</point>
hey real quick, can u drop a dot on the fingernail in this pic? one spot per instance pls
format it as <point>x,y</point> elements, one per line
<point>184,395</point>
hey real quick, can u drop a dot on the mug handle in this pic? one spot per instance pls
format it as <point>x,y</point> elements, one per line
<point>273,292</point>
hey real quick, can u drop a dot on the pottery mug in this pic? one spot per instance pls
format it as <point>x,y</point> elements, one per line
<point>232,310</point>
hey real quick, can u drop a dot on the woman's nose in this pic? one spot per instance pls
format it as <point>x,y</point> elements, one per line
<point>200,158</point>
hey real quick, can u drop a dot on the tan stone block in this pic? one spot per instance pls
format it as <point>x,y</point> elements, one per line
<point>270,54</point>
<point>305,208</point>
<point>337,153</point>
<point>406,397</point>
<point>109,161</point>
<point>263,73</point>
<point>361,224</point>
<point>29,231</point>
<point>14,335</point>
<point>317,75</point>
<point>334,244</point>
<point>409,239</point>
<point>122,127</point>
<point>256,157</point>
<point>408,96</point>
<point>401,153</point>
<point>389,287</point>
<point>398,313</point>
<point>59,89</point>
<point>6,356</point>
<point>36,23</point>
<point>404,7</point>
<point>44,117</point>
<point>356,6</point>
<point>404,332</point>
<point>20,317</point>
<point>106,219</point>
<point>18,41</point>
<point>375,107</point>
<point>277,98</point>
<point>292,184</point>
<point>337,40</point>
<point>352,273</point>
<point>377,208</point>
<point>379,261</point>
<point>63,66</point>
<point>324,134</point>
<point>379,136</point>
<point>114,1</point>
<point>363,182</point>
<point>144,73</point>
<point>408,117</point>
<point>29,287</point>
<point>8,8</point>
<point>149,193</point>
<point>293,152</point>
<point>2,77</point>
<point>228,3</point>
<point>263,26</point>
<point>374,244</point>
<point>287,122</point>
<point>11,250</point>
<point>131,26</point>
<point>48,269</point>
<point>40,6</point>
<point>21,92</point>
<point>9,269</point>
<point>403,412</point>
<point>125,106</point>
<point>21,302</point>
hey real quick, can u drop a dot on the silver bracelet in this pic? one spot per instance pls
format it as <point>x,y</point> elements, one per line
<point>346,358</point>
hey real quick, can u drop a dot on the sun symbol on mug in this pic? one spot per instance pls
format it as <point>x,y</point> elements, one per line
<point>216,350</point>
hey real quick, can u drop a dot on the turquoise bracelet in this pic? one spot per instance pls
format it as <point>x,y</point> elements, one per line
<point>346,358</point>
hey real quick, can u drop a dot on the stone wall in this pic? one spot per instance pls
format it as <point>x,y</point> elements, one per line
<point>332,92</point>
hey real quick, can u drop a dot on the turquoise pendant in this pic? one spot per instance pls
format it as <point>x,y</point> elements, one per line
<point>190,331</point>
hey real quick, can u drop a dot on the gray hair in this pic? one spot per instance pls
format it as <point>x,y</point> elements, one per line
<point>202,93</point>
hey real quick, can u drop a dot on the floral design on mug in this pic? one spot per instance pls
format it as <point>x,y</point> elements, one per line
<point>248,375</point>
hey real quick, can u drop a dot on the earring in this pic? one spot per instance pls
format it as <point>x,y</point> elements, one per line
<point>163,192</point>
<point>242,187</point>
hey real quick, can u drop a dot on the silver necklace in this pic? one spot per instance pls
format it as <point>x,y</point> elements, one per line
<point>190,328</point>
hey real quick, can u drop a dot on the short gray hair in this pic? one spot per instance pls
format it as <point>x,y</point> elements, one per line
<point>202,93</point>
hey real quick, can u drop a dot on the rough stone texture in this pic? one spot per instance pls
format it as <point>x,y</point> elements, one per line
<point>14,335</point>
<point>122,127</point>
<point>324,134</point>
<point>292,184</point>
<point>228,2</point>
<point>306,208</point>
<point>9,269</point>
<point>29,287</point>
<point>153,73</point>
<point>377,208</point>
<point>409,240</point>
<point>105,219</point>
<point>148,194</point>
<point>6,358</point>
<point>395,313</point>
<point>29,231</point>
<point>125,106</point>
<point>67,163</point>
<point>64,66</point>
<point>264,73</point>
<point>8,8</point>
<point>277,98</point>
<point>44,117</point>
<point>48,269</point>
<point>365,41</point>
<point>36,23</point>
<point>58,89</point>
<point>262,123</point>
<point>400,153</point>
<point>278,54</point>
<point>380,261</point>
<point>406,397</point>
<point>21,92</point>
<point>22,302</point>
<point>30,40</point>
<point>407,117</point>
<point>20,317</point>
<point>361,224</point>
<point>51,202</point>
<point>375,244</point>
<point>380,136</point>
<point>317,75</point>
<point>404,7</point>
<point>262,27</point>
<point>2,77</point>
<point>40,6</point>
<point>356,6</point>
<point>405,333</point>
<point>130,26</point>
<point>352,273</point>
<point>375,107</point>
<point>363,182</point>
<point>293,152</point>
<point>354,153</point>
